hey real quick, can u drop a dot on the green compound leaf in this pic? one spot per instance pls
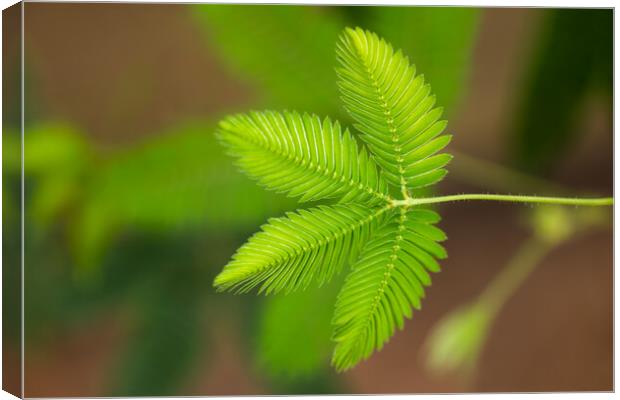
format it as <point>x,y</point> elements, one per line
<point>293,251</point>
<point>306,158</point>
<point>393,109</point>
<point>385,283</point>
<point>302,156</point>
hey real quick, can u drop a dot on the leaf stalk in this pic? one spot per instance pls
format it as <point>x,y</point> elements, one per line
<point>408,202</point>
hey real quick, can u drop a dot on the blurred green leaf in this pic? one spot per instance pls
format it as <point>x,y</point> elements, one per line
<point>439,41</point>
<point>456,340</point>
<point>53,147</point>
<point>57,161</point>
<point>574,51</point>
<point>55,303</point>
<point>177,181</point>
<point>52,195</point>
<point>552,224</point>
<point>299,317</point>
<point>90,233</point>
<point>287,51</point>
<point>168,336</point>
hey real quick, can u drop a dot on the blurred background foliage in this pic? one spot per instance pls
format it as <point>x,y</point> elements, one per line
<point>141,227</point>
<point>572,59</point>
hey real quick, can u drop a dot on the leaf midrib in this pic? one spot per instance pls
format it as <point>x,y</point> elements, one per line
<point>330,239</point>
<point>389,267</point>
<point>316,168</point>
<point>389,120</point>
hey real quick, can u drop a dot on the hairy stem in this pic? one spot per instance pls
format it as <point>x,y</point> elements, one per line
<point>604,201</point>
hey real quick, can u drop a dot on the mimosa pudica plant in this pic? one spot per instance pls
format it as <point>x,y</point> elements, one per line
<point>376,223</point>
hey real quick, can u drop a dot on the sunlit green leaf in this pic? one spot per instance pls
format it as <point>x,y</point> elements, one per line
<point>397,246</point>
<point>393,108</point>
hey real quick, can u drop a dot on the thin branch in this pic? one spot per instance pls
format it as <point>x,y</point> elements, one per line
<point>604,201</point>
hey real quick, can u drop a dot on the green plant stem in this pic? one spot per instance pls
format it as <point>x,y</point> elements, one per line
<point>506,283</point>
<point>605,201</point>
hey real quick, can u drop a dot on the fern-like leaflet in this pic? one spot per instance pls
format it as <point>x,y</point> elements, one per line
<point>385,283</point>
<point>390,246</point>
<point>393,109</point>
